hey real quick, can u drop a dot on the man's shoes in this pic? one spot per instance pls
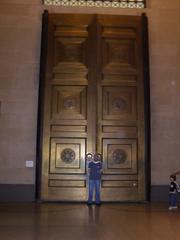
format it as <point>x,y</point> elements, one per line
<point>175,207</point>
<point>98,204</point>
<point>89,203</point>
<point>172,208</point>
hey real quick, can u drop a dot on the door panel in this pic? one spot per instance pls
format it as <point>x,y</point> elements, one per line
<point>67,155</point>
<point>120,108</point>
<point>67,134</point>
<point>69,102</point>
<point>93,102</point>
<point>119,103</point>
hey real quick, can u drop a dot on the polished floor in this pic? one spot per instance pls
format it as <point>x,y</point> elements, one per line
<point>56,221</point>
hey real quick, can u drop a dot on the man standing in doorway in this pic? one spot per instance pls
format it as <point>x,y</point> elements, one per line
<point>94,170</point>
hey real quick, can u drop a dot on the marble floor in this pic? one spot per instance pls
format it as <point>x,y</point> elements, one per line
<point>57,221</point>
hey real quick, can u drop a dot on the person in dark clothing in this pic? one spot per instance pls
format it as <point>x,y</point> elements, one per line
<point>94,170</point>
<point>174,188</point>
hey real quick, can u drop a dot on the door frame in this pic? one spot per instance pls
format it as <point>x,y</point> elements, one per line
<point>147,106</point>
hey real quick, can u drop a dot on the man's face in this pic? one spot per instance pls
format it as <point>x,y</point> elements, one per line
<point>96,158</point>
<point>89,157</point>
<point>172,179</point>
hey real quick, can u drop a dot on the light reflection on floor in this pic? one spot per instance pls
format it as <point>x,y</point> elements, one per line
<point>53,221</point>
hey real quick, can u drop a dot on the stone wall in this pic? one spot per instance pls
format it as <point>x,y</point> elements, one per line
<point>20,32</point>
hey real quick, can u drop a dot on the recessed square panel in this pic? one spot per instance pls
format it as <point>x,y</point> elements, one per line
<point>119,103</point>
<point>69,52</point>
<point>68,49</point>
<point>119,53</point>
<point>120,156</point>
<point>67,155</point>
<point>69,102</point>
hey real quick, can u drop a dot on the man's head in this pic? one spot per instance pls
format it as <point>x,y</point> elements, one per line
<point>173,177</point>
<point>97,157</point>
<point>89,157</point>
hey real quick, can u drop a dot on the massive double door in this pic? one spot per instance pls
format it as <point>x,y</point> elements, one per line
<point>93,101</point>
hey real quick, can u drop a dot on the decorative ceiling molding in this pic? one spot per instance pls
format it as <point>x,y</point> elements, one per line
<point>98,3</point>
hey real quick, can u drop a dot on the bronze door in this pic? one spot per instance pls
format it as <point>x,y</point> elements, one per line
<point>93,101</point>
